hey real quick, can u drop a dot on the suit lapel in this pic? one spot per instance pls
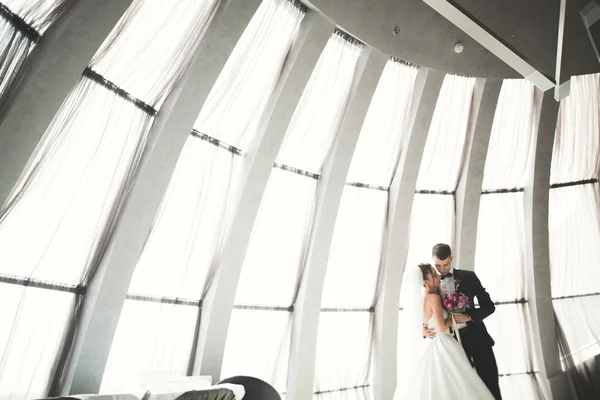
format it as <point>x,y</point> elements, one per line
<point>457,280</point>
<point>464,286</point>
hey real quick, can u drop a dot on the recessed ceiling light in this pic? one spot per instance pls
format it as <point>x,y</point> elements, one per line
<point>459,47</point>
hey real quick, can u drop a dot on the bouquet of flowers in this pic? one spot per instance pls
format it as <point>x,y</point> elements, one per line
<point>456,302</point>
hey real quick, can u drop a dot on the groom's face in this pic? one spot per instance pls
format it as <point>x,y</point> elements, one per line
<point>443,266</point>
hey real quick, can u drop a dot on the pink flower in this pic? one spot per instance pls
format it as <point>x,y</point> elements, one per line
<point>456,301</point>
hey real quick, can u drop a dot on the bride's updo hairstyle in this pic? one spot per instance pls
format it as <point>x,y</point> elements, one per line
<point>425,270</point>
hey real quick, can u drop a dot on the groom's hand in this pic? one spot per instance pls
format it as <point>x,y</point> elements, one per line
<point>428,332</point>
<point>462,318</point>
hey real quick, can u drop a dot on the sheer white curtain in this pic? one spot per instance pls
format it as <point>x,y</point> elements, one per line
<point>356,250</point>
<point>501,261</point>
<point>432,218</point>
<point>38,14</point>
<point>344,348</point>
<point>344,355</point>
<point>432,221</point>
<point>22,24</point>
<point>176,266</point>
<point>433,212</point>
<point>276,254</point>
<point>59,216</point>
<point>574,221</point>
<point>443,156</point>
<point>382,137</point>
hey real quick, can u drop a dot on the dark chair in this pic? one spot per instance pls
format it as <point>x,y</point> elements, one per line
<point>254,387</point>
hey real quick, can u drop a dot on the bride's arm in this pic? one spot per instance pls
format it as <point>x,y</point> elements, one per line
<point>435,302</point>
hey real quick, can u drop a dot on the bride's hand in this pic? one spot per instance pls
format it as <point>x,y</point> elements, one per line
<point>428,332</point>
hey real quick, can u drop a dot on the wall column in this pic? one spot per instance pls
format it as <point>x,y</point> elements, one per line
<point>218,303</point>
<point>60,57</point>
<point>107,290</point>
<point>468,193</point>
<point>537,195</point>
<point>402,190</point>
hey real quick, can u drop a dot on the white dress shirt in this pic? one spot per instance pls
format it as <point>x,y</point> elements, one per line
<point>447,285</point>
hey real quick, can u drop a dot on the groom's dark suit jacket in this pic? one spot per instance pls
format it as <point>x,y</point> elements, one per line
<point>469,284</point>
<point>476,340</point>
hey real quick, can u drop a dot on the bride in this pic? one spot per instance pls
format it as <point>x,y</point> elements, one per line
<point>442,371</point>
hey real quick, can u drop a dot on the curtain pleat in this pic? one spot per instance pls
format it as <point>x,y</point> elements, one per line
<point>58,220</point>
<point>183,249</point>
<point>345,335</point>
<point>574,230</point>
<point>279,244</point>
<point>22,24</point>
<point>501,261</point>
<point>432,218</point>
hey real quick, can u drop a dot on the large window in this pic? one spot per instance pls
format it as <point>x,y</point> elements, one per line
<point>574,221</point>
<point>59,217</point>
<point>183,249</point>
<point>259,332</point>
<point>345,336</point>
<point>433,216</point>
<point>501,259</point>
<point>433,212</point>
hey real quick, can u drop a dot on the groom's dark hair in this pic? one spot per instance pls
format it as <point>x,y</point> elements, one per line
<point>441,251</point>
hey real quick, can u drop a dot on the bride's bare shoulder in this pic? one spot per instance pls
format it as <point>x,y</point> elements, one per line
<point>430,297</point>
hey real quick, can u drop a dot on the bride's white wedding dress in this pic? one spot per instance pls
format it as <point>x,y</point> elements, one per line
<point>443,373</point>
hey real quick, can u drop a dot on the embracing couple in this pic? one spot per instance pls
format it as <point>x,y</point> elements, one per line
<point>459,362</point>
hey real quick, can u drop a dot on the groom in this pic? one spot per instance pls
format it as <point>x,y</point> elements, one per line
<point>476,341</point>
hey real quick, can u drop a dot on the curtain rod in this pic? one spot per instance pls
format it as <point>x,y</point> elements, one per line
<point>216,142</point>
<point>574,183</point>
<point>368,186</point>
<point>403,62</point>
<point>519,373</point>
<point>40,284</point>
<point>348,37</point>
<point>263,308</point>
<point>96,77</point>
<point>342,389</point>
<point>501,191</point>
<point>297,171</point>
<point>461,76</point>
<point>20,24</point>
<point>576,296</point>
<point>343,309</point>
<point>440,192</point>
<point>515,301</point>
<point>165,300</point>
<point>299,5</point>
